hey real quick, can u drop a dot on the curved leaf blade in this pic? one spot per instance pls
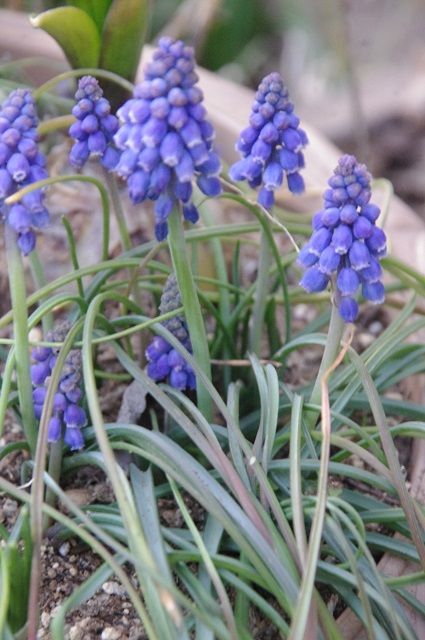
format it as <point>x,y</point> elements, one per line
<point>97,9</point>
<point>75,32</point>
<point>123,36</point>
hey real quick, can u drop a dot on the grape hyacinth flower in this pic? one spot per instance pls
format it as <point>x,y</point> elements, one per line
<point>165,138</point>
<point>95,126</point>
<point>271,146</point>
<point>346,245</point>
<point>68,415</point>
<point>164,362</point>
<point>21,164</point>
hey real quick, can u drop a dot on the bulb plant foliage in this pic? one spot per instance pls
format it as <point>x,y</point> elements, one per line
<point>237,433</point>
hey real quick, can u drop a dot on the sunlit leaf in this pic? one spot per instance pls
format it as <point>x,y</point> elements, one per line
<point>123,36</point>
<point>97,9</point>
<point>75,32</point>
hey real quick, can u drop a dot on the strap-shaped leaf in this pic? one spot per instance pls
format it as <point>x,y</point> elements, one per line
<point>97,9</point>
<point>123,36</point>
<point>75,31</point>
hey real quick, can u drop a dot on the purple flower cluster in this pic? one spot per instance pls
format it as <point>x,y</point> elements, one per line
<point>95,126</point>
<point>346,245</point>
<point>164,362</point>
<point>21,164</point>
<point>271,147</point>
<point>165,138</point>
<point>68,416</point>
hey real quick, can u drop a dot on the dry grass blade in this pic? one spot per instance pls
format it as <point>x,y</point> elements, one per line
<point>304,605</point>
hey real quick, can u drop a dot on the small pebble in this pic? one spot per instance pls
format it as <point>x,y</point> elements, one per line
<point>45,619</point>
<point>76,632</point>
<point>365,340</point>
<point>54,612</point>
<point>375,327</point>
<point>356,462</point>
<point>79,630</point>
<point>113,588</point>
<point>16,428</point>
<point>109,633</point>
<point>64,549</point>
<point>393,395</point>
<point>9,507</point>
<point>300,311</point>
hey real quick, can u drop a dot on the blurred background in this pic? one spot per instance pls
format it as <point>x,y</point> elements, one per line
<point>354,68</point>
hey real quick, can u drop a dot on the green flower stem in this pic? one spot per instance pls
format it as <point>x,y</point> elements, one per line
<point>192,307</point>
<point>40,281</point>
<point>261,293</point>
<point>126,245</point>
<point>118,211</point>
<point>20,331</point>
<point>6,381</point>
<point>77,73</point>
<point>332,348</point>
<point>224,288</point>
<point>54,124</point>
<point>15,66</point>
<point>73,254</point>
<point>55,466</point>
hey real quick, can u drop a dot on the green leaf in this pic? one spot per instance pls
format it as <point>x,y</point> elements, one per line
<point>4,589</point>
<point>15,569</point>
<point>123,36</point>
<point>75,31</point>
<point>144,495</point>
<point>97,9</point>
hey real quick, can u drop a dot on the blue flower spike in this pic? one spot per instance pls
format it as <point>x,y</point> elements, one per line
<point>165,139</point>
<point>164,362</point>
<point>346,245</point>
<point>21,164</point>
<point>272,145</point>
<point>68,415</point>
<point>94,128</point>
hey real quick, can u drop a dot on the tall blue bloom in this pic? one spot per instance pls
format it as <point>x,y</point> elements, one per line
<point>95,126</point>
<point>68,415</point>
<point>21,164</point>
<point>346,245</point>
<point>165,138</point>
<point>271,146</point>
<point>164,362</point>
